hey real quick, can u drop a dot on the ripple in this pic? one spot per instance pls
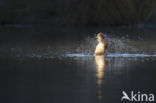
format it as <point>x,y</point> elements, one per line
<point>131,55</point>
<point>113,55</point>
<point>110,55</point>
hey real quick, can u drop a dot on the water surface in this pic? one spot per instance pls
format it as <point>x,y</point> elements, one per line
<point>44,69</point>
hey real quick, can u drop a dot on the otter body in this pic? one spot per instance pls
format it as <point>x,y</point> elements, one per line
<point>101,46</point>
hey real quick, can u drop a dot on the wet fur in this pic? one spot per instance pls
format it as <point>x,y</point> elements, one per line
<point>101,46</point>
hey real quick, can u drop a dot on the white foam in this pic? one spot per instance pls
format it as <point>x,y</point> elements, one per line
<point>131,55</point>
<point>113,55</point>
<point>78,55</point>
<point>33,55</point>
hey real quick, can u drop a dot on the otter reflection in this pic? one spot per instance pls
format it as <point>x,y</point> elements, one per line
<point>100,66</point>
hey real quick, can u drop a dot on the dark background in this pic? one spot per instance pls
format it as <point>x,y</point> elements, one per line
<point>32,23</point>
<point>78,12</point>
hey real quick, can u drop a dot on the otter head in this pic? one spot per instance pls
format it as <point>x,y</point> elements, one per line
<point>100,37</point>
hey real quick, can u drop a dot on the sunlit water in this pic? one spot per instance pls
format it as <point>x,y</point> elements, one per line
<point>66,71</point>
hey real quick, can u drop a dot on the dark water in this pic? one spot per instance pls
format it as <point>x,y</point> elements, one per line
<point>37,70</point>
<point>76,79</point>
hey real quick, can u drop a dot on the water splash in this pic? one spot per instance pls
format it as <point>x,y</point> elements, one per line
<point>115,45</point>
<point>87,46</point>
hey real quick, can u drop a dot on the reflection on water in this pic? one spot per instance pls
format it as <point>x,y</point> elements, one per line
<point>75,79</point>
<point>100,66</point>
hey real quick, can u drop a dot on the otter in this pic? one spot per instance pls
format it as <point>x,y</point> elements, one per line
<point>102,45</point>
